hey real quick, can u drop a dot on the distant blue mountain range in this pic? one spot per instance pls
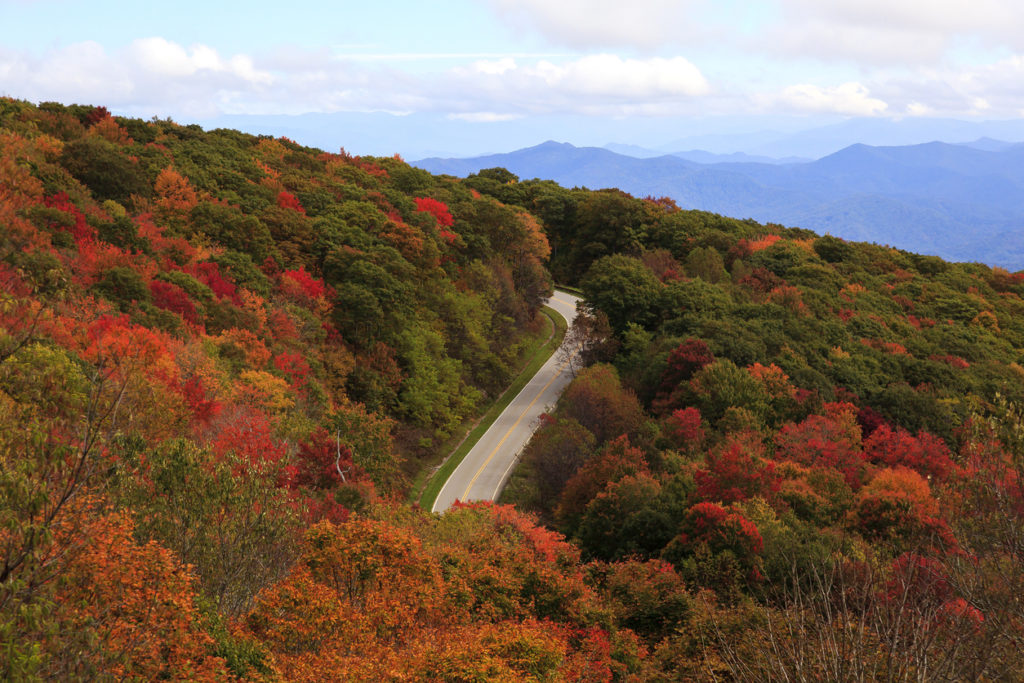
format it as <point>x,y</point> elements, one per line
<point>964,202</point>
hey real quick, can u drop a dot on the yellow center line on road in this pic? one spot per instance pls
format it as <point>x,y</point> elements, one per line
<point>510,430</point>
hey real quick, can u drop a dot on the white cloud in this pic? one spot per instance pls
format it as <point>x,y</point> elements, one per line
<point>158,76</point>
<point>868,32</point>
<point>494,67</point>
<point>993,90</point>
<point>588,24</point>
<point>487,57</point>
<point>919,109</point>
<point>892,31</point>
<point>591,84</point>
<point>165,58</point>
<point>161,57</point>
<point>822,39</point>
<point>991,17</point>
<point>1001,83</point>
<point>150,74</point>
<point>611,76</point>
<point>484,117</point>
<point>78,72</point>
<point>851,99</point>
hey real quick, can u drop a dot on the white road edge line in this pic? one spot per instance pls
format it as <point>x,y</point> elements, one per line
<point>515,460</point>
<point>511,429</point>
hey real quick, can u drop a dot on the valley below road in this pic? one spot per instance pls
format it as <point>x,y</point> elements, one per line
<point>483,472</point>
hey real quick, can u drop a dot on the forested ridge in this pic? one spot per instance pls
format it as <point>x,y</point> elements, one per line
<point>224,358</point>
<point>821,438</point>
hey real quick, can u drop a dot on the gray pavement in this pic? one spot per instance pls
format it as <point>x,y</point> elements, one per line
<point>483,472</point>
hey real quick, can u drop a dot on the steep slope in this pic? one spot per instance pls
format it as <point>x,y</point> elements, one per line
<point>790,420</point>
<point>221,357</point>
<point>215,348</point>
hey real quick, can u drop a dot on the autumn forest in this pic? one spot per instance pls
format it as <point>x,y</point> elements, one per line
<point>229,363</point>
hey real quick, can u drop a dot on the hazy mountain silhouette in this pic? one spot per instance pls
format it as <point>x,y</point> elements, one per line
<point>960,201</point>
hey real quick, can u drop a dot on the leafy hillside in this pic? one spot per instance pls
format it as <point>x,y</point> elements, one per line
<point>956,201</point>
<point>215,346</point>
<point>223,358</point>
<point>787,420</point>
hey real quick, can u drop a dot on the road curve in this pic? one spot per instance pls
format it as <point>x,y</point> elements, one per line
<point>483,472</point>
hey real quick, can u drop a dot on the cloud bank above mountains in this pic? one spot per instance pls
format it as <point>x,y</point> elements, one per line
<point>499,60</point>
<point>874,32</point>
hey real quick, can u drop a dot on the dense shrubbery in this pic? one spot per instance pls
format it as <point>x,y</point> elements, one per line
<point>208,343</point>
<point>222,356</point>
<point>813,413</point>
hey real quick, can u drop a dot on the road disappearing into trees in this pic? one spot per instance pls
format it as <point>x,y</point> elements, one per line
<point>483,472</point>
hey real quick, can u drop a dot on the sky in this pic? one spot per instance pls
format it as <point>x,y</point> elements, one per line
<point>597,63</point>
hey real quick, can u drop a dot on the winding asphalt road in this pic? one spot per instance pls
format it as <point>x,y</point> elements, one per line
<point>483,472</point>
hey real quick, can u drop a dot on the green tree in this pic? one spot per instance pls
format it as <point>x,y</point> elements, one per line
<point>626,520</point>
<point>105,169</point>
<point>624,289</point>
<point>233,525</point>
